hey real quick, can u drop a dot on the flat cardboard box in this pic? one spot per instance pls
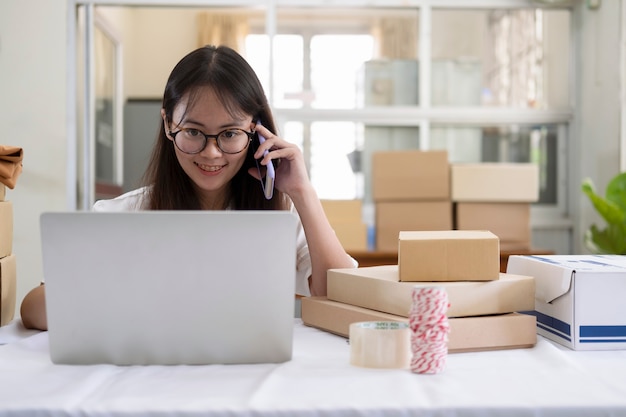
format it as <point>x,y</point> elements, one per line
<point>6,228</point>
<point>467,334</point>
<point>377,288</point>
<point>494,182</point>
<point>448,255</point>
<point>351,235</point>
<point>410,175</point>
<point>579,300</point>
<point>509,221</point>
<point>343,210</point>
<point>394,217</point>
<point>8,288</point>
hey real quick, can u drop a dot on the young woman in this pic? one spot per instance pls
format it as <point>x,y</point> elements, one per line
<point>207,157</point>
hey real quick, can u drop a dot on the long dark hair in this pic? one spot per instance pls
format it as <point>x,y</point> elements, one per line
<point>239,89</point>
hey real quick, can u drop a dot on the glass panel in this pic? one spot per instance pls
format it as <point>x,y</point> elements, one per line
<point>335,64</point>
<point>335,170</point>
<point>512,58</point>
<point>538,144</point>
<point>288,67</point>
<point>105,101</point>
<point>342,58</point>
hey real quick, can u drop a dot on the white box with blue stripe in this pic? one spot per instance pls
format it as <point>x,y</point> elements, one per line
<point>580,300</point>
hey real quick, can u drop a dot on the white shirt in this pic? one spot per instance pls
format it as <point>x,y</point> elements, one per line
<point>136,199</point>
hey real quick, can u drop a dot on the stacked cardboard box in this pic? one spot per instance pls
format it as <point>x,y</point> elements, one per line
<point>484,303</point>
<point>411,191</point>
<point>345,217</point>
<point>495,197</point>
<point>7,260</point>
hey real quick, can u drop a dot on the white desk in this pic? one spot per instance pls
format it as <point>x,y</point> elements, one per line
<point>544,381</point>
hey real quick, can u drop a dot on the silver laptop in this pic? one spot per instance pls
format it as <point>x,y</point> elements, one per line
<point>169,287</point>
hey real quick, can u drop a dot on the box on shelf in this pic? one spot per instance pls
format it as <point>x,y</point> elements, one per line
<point>343,210</point>
<point>377,288</point>
<point>467,334</point>
<point>394,217</point>
<point>410,175</point>
<point>494,182</point>
<point>509,221</point>
<point>8,288</point>
<point>448,255</point>
<point>579,300</point>
<point>6,228</point>
<point>345,217</point>
<point>351,235</point>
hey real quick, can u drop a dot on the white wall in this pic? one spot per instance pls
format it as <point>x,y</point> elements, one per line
<point>33,116</point>
<point>597,129</point>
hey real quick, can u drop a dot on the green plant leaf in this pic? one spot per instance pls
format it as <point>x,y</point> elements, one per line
<point>616,191</point>
<point>607,241</point>
<point>610,211</point>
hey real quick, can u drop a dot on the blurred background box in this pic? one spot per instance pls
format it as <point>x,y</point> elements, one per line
<point>8,289</point>
<point>410,175</point>
<point>394,217</point>
<point>345,217</point>
<point>343,210</point>
<point>509,221</point>
<point>6,228</point>
<point>494,182</point>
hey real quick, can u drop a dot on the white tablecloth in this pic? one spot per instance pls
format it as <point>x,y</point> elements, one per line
<point>547,380</point>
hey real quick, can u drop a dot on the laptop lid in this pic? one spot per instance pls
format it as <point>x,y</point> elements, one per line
<point>169,287</point>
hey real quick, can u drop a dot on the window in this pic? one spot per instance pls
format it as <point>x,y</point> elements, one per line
<point>344,88</point>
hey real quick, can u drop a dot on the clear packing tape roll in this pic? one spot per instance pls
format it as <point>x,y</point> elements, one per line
<point>380,344</point>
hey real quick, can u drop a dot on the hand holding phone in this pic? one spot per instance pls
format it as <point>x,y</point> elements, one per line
<point>267,184</point>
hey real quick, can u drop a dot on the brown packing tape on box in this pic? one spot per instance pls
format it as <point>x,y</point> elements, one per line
<point>378,288</point>
<point>467,334</point>
<point>6,228</point>
<point>7,289</point>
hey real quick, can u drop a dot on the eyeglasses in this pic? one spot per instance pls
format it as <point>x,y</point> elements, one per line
<point>194,141</point>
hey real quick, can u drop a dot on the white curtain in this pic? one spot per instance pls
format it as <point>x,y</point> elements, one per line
<point>223,29</point>
<point>397,38</point>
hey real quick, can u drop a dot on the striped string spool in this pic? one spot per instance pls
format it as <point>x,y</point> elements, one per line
<point>429,329</point>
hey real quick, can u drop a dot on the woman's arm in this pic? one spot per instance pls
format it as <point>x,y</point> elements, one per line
<point>291,178</point>
<point>33,309</point>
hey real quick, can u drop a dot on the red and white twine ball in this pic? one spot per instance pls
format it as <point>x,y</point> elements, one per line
<point>429,329</point>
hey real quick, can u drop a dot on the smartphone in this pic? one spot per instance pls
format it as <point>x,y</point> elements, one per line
<point>267,183</point>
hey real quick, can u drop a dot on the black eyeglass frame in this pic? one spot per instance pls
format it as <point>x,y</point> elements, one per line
<point>207,137</point>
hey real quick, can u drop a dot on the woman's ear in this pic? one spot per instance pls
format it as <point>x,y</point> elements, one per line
<point>165,123</point>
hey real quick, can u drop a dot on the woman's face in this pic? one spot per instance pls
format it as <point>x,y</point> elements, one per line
<point>211,170</point>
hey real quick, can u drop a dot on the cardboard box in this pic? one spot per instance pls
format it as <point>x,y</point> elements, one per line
<point>378,288</point>
<point>509,221</point>
<point>467,334</point>
<point>3,192</point>
<point>342,211</point>
<point>394,217</point>
<point>410,175</point>
<point>351,235</point>
<point>6,228</point>
<point>449,255</point>
<point>8,288</point>
<point>579,299</point>
<point>495,182</point>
